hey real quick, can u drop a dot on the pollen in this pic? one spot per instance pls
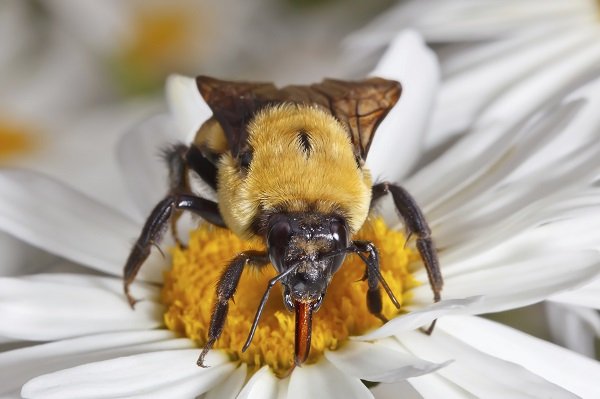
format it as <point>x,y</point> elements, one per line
<point>189,295</point>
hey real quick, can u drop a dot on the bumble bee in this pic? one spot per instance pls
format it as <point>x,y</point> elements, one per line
<point>288,167</point>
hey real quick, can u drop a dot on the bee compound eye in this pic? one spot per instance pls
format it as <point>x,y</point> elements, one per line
<point>278,241</point>
<point>339,234</point>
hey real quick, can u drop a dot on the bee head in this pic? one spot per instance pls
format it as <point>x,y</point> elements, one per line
<point>310,248</point>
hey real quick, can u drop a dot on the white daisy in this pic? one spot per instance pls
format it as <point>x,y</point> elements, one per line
<point>500,53</point>
<point>484,224</point>
<point>139,42</point>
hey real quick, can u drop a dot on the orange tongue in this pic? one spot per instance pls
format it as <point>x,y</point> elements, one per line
<point>303,330</point>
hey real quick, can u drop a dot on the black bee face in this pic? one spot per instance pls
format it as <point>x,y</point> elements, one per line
<point>311,244</point>
<point>310,248</point>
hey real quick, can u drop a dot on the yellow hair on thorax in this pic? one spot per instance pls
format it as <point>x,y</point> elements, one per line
<point>317,173</point>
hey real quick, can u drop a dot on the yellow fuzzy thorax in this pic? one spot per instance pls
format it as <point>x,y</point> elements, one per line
<point>284,175</point>
<point>189,295</point>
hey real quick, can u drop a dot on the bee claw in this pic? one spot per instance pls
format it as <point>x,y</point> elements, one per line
<point>429,329</point>
<point>200,361</point>
<point>155,245</point>
<point>132,301</point>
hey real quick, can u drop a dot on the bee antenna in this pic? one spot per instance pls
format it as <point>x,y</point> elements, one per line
<point>263,301</point>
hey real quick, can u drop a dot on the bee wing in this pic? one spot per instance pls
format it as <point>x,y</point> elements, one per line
<point>233,104</point>
<point>360,105</point>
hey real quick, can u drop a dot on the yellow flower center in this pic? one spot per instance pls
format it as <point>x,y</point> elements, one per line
<point>189,295</point>
<point>163,38</point>
<point>15,140</point>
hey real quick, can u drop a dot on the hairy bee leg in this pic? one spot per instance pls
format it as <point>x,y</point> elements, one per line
<point>226,287</point>
<point>155,226</point>
<point>180,160</point>
<point>374,278</point>
<point>416,224</point>
<point>176,158</point>
<point>203,166</point>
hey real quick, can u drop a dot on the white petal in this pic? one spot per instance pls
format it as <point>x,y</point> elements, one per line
<point>587,295</point>
<point>52,216</point>
<point>558,365</point>
<point>492,174</point>
<point>132,375</point>
<point>498,126</point>
<point>421,317</point>
<point>474,20</point>
<point>573,327</point>
<point>378,362</point>
<point>580,134</point>
<point>396,390</point>
<point>231,387</point>
<point>323,380</point>
<point>463,96</point>
<point>434,386</point>
<point>18,258</point>
<point>518,206</point>
<point>513,284</point>
<point>382,29</point>
<point>262,385</point>
<point>80,152</point>
<point>56,306</point>
<point>547,83</point>
<point>468,159</point>
<point>479,373</point>
<point>551,217</point>
<point>397,143</point>
<point>20,365</point>
<point>140,157</point>
<point>187,105</point>
<point>459,57</point>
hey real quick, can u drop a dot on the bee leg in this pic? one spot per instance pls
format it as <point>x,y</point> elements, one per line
<point>155,226</point>
<point>226,287</point>
<point>202,165</point>
<point>416,224</point>
<point>374,278</point>
<point>180,160</point>
<point>178,180</point>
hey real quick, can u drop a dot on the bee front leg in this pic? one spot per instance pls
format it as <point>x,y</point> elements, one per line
<point>374,278</point>
<point>156,225</point>
<point>226,287</point>
<point>416,224</point>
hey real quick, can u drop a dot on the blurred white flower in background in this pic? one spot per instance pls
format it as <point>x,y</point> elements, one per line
<point>501,59</point>
<point>47,122</point>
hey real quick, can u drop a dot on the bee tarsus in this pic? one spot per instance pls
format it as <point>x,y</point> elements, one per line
<point>416,224</point>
